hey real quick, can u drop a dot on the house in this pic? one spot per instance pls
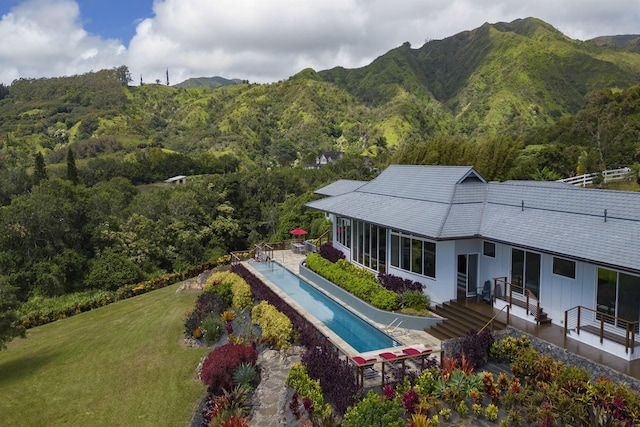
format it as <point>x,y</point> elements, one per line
<point>176,180</point>
<point>327,157</point>
<point>546,247</point>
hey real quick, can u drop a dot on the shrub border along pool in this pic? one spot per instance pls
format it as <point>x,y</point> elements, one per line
<point>380,316</point>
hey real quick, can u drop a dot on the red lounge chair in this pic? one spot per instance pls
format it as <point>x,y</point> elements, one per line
<point>360,361</point>
<point>417,354</point>
<point>363,363</point>
<point>389,357</point>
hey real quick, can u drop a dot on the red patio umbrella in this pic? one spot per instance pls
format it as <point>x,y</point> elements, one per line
<point>298,232</point>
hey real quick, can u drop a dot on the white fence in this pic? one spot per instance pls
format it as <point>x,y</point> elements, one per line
<point>607,176</point>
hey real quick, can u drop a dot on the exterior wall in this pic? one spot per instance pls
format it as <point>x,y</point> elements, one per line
<point>443,287</point>
<point>558,293</point>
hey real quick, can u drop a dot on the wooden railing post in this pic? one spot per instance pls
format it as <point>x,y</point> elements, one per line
<point>626,339</point>
<point>566,322</point>
<point>579,313</point>
<point>601,329</point>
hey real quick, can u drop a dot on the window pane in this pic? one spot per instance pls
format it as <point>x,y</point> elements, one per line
<point>346,227</point>
<point>416,256</point>
<point>359,242</point>
<point>517,267</point>
<point>395,250</point>
<point>564,267</point>
<point>374,248</point>
<point>429,256</point>
<point>532,273</point>
<point>489,249</point>
<point>606,298</point>
<point>382,251</point>
<point>629,288</point>
<point>406,254</point>
<point>366,245</point>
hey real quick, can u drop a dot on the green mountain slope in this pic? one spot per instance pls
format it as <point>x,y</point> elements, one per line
<point>505,76</point>
<point>206,82</point>
<point>498,79</point>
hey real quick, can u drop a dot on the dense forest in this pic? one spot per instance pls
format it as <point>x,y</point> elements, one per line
<point>79,155</point>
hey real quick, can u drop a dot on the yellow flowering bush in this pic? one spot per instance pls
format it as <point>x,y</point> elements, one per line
<point>277,329</point>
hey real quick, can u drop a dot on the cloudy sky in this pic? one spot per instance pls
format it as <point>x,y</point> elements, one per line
<point>259,40</point>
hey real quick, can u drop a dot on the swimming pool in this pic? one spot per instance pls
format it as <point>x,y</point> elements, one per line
<point>355,331</point>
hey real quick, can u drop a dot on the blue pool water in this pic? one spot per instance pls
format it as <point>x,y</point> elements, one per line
<point>358,333</point>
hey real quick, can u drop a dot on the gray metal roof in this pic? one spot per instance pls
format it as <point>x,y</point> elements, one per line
<point>441,202</point>
<point>340,187</point>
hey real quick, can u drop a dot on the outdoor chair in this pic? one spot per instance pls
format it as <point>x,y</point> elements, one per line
<point>486,292</point>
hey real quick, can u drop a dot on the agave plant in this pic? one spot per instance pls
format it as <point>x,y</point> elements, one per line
<point>245,375</point>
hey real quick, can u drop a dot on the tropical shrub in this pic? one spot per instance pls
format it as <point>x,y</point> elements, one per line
<point>307,388</point>
<point>212,328</point>
<point>276,327</point>
<point>475,346</point>
<point>415,300</point>
<point>230,408</point>
<point>337,379</point>
<point>507,349</point>
<point>491,412</point>
<point>219,366</point>
<point>328,252</point>
<point>398,284</point>
<point>207,302</point>
<point>228,316</point>
<point>242,298</point>
<point>222,283</point>
<point>374,410</point>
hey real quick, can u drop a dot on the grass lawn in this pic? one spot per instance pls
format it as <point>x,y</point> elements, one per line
<point>119,365</point>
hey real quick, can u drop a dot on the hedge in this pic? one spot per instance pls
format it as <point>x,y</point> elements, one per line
<point>358,281</point>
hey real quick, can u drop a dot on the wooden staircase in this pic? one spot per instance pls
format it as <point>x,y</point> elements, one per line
<point>541,317</point>
<point>459,318</point>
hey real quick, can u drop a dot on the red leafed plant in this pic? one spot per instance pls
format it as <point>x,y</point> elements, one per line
<point>218,367</point>
<point>235,422</point>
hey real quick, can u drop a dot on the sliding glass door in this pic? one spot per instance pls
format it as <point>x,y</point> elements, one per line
<point>525,270</point>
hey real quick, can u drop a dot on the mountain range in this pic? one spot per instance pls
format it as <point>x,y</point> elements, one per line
<point>521,78</point>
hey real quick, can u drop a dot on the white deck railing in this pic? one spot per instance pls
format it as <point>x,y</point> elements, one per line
<point>587,179</point>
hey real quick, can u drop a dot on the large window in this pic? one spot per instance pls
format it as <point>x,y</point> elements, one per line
<point>413,254</point>
<point>618,295</point>
<point>343,231</point>
<point>370,245</point>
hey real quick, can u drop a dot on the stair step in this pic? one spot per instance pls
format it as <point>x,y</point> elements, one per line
<point>459,319</point>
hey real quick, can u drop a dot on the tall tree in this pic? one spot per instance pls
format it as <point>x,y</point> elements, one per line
<point>40,172</point>
<point>72,170</point>
<point>8,316</point>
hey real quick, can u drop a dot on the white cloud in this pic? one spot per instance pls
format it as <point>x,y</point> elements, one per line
<point>44,38</point>
<point>266,41</point>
